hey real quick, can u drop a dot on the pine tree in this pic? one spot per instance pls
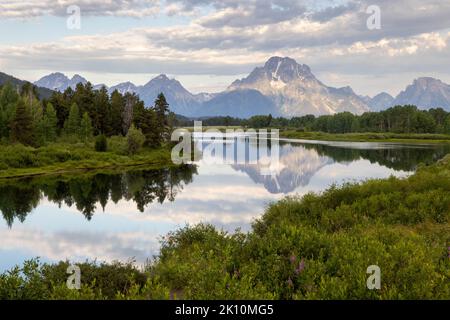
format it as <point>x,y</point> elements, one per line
<point>72,125</point>
<point>29,93</point>
<point>86,128</point>
<point>47,127</point>
<point>146,120</point>
<point>161,109</point>
<point>102,113</point>
<point>447,125</point>
<point>8,101</point>
<point>117,109</point>
<point>22,125</point>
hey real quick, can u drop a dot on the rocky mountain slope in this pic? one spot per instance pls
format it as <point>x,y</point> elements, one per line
<point>296,91</point>
<point>281,87</point>
<point>425,93</point>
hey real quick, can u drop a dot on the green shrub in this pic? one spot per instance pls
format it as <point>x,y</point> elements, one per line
<point>38,281</point>
<point>135,140</point>
<point>118,145</point>
<point>101,143</point>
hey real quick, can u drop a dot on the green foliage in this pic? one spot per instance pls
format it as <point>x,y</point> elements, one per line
<point>117,112</point>
<point>147,121</point>
<point>366,136</point>
<point>446,125</point>
<point>72,124</point>
<point>110,115</point>
<point>17,160</point>
<point>8,101</point>
<point>158,123</point>
<point>399,119</point>
<point>47,126</point>
<point>135,140</point>
<point>86,131</point>
<point>37,281</point>
<point>22,125</point>
<point>101,143</point>
<point>101,114</point>
<point>24,283</point>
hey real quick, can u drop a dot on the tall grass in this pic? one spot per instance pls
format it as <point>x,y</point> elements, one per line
<point>16,160</point>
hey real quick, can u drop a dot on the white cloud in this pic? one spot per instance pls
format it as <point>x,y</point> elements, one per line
<point>81,245</point>
<point>232,37</point>
<point>36,8</point>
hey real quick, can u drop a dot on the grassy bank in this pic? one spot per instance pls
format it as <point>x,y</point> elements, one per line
<point>350,137</point>
<point>315,247</point>
<point>18,160</point>
<point>367,137</point>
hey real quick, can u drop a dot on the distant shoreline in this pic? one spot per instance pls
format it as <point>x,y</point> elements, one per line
<point>348,137</point>
<point>367,137</point>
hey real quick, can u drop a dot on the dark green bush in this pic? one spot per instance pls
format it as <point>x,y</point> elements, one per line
<point>101,143</point>
<point>37,281</point>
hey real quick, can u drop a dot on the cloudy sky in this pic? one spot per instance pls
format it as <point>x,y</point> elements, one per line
<point>207,44</point>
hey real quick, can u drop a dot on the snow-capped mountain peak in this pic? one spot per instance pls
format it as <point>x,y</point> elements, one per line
<point>425,92</point>
<point>280,86</point>
<point>287,70</point>
<point>59,81</point>
<point>296,91</point>
<point>124,87</point>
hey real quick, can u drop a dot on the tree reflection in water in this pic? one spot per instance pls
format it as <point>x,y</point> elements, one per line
<point>298,164</point>
<point>19,197</point>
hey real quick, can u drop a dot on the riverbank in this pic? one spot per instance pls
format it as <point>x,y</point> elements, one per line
<point>20,161</point>
<point>367,137</point>
<point>347,137</point>
<point>315,247</point>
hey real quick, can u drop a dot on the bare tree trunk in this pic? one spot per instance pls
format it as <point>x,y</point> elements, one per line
<point>128,113</point>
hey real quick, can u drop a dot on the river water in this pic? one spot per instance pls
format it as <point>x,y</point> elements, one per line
<point>121,215</point>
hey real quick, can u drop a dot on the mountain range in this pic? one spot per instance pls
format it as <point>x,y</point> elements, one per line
<point>5,78</point>
<point>294,90</point>
<point>281,87</point>
<point>425,92</point>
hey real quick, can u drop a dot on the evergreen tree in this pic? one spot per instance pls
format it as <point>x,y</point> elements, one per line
<point>146,120</point>
<point>8,100</point>
<point>61,103</point>
<point>22,125</point>
<point>102,113</point>
<point>37,114</point>
<point>117,110</point>
<point>84,97</point>
<point>447,125</point>
<point>51,121</point>
<point>439,116</point>
<point>72,125</point>
<point>47,127</point>
<point>161,112</point>
<point>86,128</point>
<point>29,93</point>
<point>161,108</point>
